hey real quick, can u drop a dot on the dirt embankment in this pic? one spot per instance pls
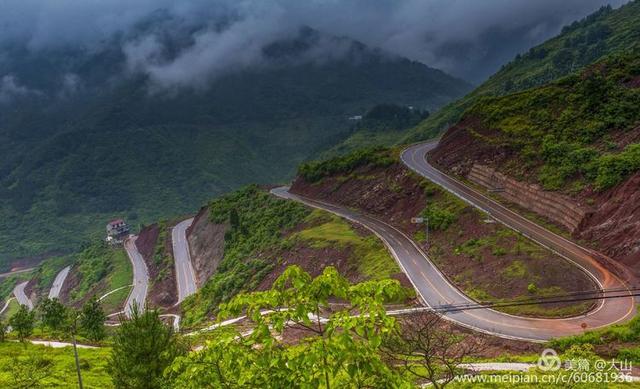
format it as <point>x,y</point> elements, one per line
<point>72,281</point>
<point>162,289</point>
<point>206,244</point>
<point>393,193</point>
<point>608,221</point>
<point>475,254</point>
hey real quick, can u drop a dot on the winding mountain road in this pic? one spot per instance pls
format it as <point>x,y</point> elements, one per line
<point>138,294</point>
<point>54,292</point>
<point>185,276</point>
<point>22,298</point>
<point>436,291</point>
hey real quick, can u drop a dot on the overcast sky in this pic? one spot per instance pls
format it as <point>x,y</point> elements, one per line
<point>467,38</point>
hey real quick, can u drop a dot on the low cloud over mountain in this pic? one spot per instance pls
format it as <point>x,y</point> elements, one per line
<point>180,43</point>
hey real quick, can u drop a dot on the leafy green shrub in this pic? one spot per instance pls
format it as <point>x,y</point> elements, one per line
<point>613,168</point>
<point>316,170</point>
<point>439,218</point>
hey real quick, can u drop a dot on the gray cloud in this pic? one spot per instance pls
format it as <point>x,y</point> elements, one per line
<point>11,89</point>
<point>470,39</point>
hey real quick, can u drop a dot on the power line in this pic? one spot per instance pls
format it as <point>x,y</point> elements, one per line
<point>460,308</point>
<point>598,294</point>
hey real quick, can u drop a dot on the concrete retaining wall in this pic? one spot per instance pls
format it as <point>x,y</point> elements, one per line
<point>553,206</point>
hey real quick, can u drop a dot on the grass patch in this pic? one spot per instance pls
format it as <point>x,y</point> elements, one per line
<point>100,263</point>
<point>58,363</point>
<point>11,309</point>
<point>627,332</point>
<point>121,275</point>
<point>47,271</point>
<point>533,310</point>
<point>516,269</point>
<point>8,283</point>
<point>372,258</point>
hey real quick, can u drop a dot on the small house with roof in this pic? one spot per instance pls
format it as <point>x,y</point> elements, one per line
<point>117,231</point>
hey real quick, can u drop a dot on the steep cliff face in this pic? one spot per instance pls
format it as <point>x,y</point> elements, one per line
<point>206,242</point>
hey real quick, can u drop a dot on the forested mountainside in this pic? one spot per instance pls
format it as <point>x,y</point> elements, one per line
<point>87,140</point>
<point>581,43</point>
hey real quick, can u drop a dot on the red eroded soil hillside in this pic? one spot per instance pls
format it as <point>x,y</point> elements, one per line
<point>611,218</point>
<point>474,253</point>
<point>154,244</point>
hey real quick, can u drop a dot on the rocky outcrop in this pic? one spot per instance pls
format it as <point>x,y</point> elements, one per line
<point>206,243</point>
<point>553,206</point>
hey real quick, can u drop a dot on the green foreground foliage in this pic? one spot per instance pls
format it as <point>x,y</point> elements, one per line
<point>341,351</point>
<point>143,347</point>
<point>35,366</point>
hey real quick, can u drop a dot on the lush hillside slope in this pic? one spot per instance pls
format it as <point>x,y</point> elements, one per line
<point>583,42</point>
<point>118,147</point>
<point>264,235</point>
<point>576,140</point>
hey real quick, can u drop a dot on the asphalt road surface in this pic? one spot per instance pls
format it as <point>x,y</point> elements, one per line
<point>138,294</point>
<point>3,275</point>
<point>54,292</point>
<point>436,291</point>
<point>185,276</point>
<point>22,298</point>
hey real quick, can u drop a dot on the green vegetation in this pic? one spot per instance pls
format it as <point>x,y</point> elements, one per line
<point>52,314</point>
<point>8,283</point>
<point>386,117</point>
<point>27,365</point>
<point>566,129</point>
<point>369,254</point>
<point>121,275</point>
<point>343,353</point>
<point>143,347</point>
<point>627,332</point>
<point>22,322</point>
<point>316,170</point>
<point>493,254</point>
<point>11,309</point>
<point>84,166</point>
<point>603,33</point>
<point>91,321</point>
<point>102,268</point>
<point>257,220</point>
<point>443,212</point>
<point>46,272</point>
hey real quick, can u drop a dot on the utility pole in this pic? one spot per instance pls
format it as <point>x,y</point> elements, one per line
<point>74,329</point>
<point>426,222</point>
